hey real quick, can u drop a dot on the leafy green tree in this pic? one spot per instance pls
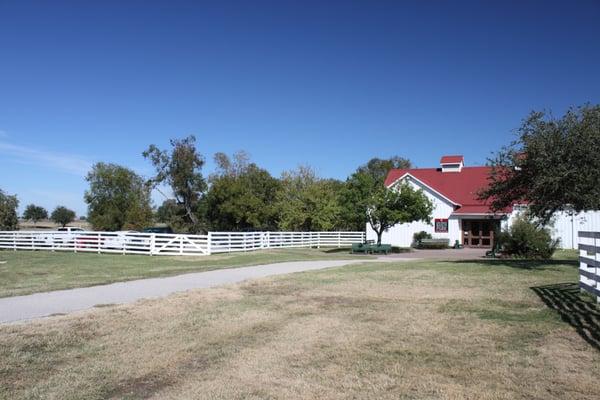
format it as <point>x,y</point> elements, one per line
<point>181,170</point>
<point>168,211</point>
<point>378,168</point>
<point>358,189</point>
<point>35,213</point>
<point>368,200</point>
<point>242,201</point>
<point>9,220</point>
<point>403,204</point>
<point>552,165</point>
<point>307,203</point>
<point>173,214</point>
<point>231,166</point>
<point>117,199</point>
<point>62,215</point>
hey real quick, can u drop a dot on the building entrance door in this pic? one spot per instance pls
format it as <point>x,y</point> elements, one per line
<point>479,232</point>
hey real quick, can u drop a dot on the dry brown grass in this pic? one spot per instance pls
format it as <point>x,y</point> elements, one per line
<point>380,331</point>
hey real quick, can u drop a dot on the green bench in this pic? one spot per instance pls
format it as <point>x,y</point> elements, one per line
<point>382,248</point>
<point>371,248</point>
<point>360,248</point>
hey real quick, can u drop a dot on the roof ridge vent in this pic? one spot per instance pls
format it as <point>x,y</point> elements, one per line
<point>452,163</point>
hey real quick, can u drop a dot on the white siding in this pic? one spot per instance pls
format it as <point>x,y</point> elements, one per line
<point>402,234</point>
<point>566,227</point>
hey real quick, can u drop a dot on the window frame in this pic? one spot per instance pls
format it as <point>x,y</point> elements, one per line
<point>441,221</point>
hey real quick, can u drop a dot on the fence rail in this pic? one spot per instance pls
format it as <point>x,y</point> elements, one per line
<point>172,244</point>
<point>589,263</point>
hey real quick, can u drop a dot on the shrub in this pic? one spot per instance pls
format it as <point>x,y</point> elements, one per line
<point>527,240</point>
<point>433,246</point>
<point>418,236</point>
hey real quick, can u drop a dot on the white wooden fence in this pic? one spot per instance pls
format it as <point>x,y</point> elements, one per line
<point>172,244</point>
<point>589,263</point>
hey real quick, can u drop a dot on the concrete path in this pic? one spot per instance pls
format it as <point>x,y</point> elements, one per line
<point>468,253</point>
<point>65,301</point>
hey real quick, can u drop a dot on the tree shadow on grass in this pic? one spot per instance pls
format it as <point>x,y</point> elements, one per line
<point>575,309</point>
<point>519,263</point>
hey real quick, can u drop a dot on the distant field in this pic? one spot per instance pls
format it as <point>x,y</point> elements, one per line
<point>49,225</point>
<point>28,272</point>
<point>483,329</point>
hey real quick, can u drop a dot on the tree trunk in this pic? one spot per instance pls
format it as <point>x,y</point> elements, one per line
<point>379,234</point>
<point>190,214</point>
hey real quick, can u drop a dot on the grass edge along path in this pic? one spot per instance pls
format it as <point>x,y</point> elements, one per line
<point>27,272</point>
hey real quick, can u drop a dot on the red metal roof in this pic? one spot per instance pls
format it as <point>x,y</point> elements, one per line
<point>452,159</point>
<point>460,188</point>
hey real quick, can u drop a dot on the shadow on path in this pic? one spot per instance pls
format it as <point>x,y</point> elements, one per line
<point>578,311</point>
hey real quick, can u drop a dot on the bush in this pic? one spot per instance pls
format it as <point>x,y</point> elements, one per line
<point>418,236</point>
<point>433,246</point>
<point>526,239</point>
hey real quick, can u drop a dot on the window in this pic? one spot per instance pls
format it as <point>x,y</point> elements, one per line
<point>441,225</point>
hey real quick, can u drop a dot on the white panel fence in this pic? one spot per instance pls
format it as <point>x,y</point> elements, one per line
<point>589,263</point>
<point>172,244</point>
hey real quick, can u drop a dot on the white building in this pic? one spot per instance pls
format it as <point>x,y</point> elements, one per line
<point>459,215</point>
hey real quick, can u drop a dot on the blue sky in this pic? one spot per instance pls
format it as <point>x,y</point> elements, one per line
<point>328,84</point>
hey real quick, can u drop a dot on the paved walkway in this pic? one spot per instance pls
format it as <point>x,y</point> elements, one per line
<point>38,305</point>
<point>468,253</point>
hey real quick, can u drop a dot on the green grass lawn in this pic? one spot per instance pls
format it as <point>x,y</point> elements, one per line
<point>28,272</point>
<point>485,329</point>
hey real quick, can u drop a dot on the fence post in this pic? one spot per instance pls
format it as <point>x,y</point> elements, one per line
<point>15,241</point>
<point>208,243</point>
<point>597,259</point>
<point>339,239</point>
<point>152,243</point>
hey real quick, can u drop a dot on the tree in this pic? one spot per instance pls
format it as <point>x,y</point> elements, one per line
<point>403,204</point>
<point>366,180</point>
<point>307,203</point>
<point>242,201</point>
<point>552,165</point>
<point>35,213</point>
<point>181,170</point>
<point>367,200</point>
<point>378,168</point>
<point>9,220</point>
<point>234,166</point>
<point>117,199</point>
<point>168,211</point>
<point>62,215</point>
<point>173,214</point>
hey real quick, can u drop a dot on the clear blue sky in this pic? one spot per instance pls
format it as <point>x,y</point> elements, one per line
<point>329,84</point>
